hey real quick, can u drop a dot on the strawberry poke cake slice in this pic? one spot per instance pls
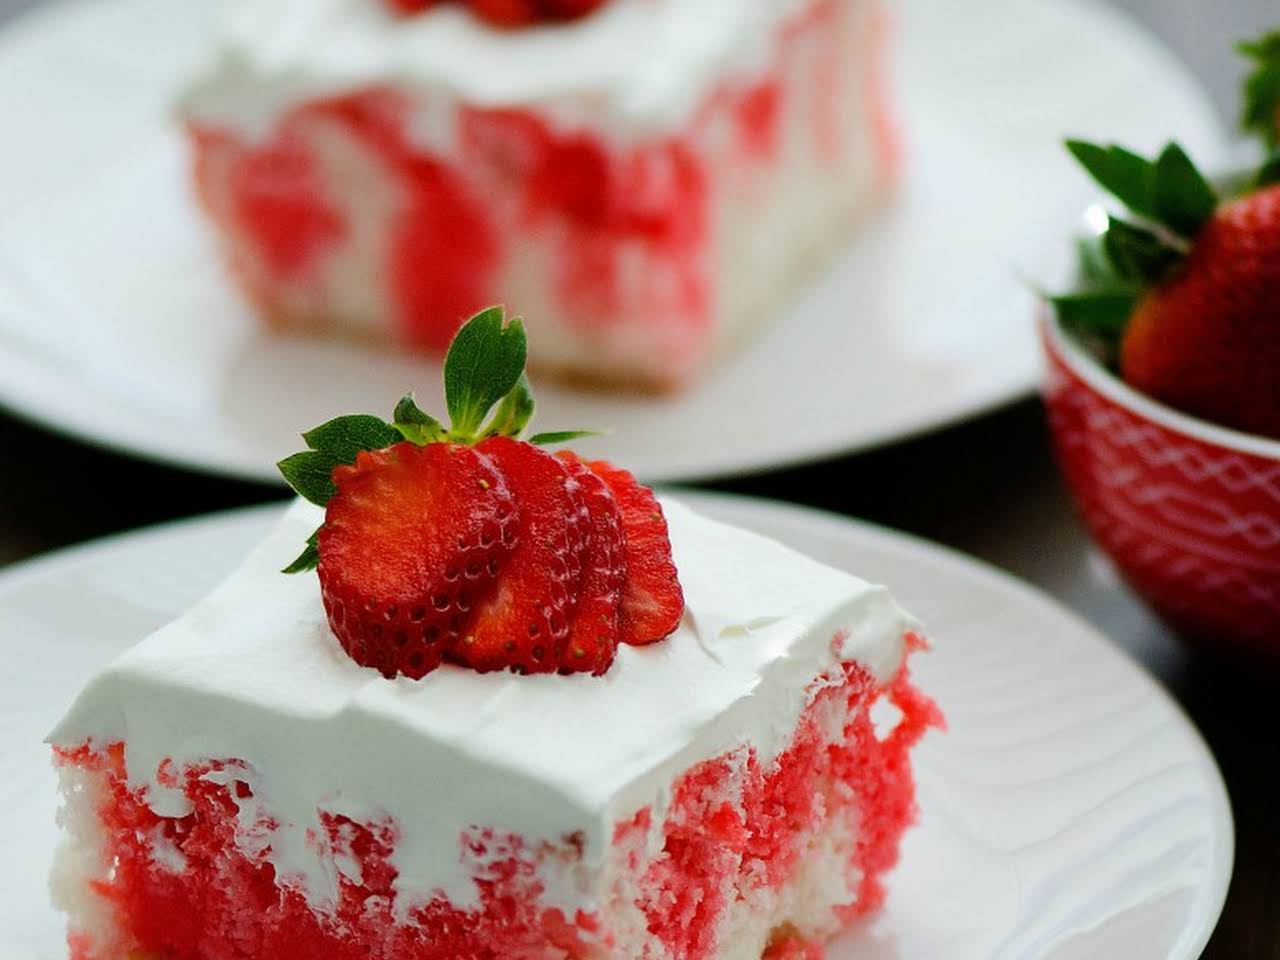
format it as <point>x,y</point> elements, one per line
<point>530,710</point>
<point>646,178</point>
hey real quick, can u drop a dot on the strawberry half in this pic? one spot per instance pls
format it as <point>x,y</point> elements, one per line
<point>652,601</point>
<point>594,632</point>
<point>413,541</point>
<point>525,624</point>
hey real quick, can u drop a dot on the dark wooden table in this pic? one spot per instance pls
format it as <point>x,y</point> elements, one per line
<point>1002,501</point>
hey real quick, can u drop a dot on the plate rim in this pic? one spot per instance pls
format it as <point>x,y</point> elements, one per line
<point>26,373</point>
<point>1007,582</point>
<point>804,519</point>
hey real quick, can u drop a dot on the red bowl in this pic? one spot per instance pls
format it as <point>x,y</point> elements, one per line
<point>1188,511</point>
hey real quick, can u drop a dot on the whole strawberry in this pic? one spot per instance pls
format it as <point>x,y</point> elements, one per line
<point>1186,289</point>
<point>652,600</point>
<point>468,545</point>
<point>414,538</point>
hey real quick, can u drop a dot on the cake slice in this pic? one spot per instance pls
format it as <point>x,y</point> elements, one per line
<point>700,753</point>
<point>646,178</point>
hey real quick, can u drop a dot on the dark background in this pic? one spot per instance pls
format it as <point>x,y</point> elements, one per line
<point>1001,500</point>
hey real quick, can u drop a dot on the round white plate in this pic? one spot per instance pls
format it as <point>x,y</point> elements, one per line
<point>117,323</point>
<point>1070,811</point>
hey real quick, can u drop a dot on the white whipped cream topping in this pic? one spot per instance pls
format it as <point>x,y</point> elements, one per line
<point>633,64</point>
<point>254,673</point>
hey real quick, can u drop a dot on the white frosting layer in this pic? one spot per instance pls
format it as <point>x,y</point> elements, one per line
<point>253,673</point>
<point>633,64</point>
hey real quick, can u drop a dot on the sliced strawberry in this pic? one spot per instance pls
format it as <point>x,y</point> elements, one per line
<point>652,602</point>
<point>412,543</point>
<point>509,13</point>
<point>506,13</point>
<point>594,632</point>
<point>568,9</point>
<point>525,624</point>
<point>408,7</point>
<point>464,543</point>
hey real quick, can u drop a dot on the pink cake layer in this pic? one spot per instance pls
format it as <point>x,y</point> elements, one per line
<point>750,860</point>
<point>635,258</point>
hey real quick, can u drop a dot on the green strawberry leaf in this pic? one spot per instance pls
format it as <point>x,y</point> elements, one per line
<point>1101,309</point>
<point>310,473</point>
<point>514,412</point>
<point>1097,313</point>
<point>1265,49</point>
<point>336,442</point>
<point>344,437</point>
<point>1261,114</point>
<point>561,436</point>
<point>483,365</point>
<point>1129,177</point>
<point>1096,269</point>
<point>415,424</point>
<point>309,559</point>
<point>1184,201</point>
<point>1269,173</point>
<point>1138,254</point>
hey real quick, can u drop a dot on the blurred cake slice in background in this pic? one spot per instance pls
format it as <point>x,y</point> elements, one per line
<point>648,178</point>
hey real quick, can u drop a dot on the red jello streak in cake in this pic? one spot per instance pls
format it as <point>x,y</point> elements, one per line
<point>888,138</point>
<point>272,196</point>
<point>728,820</point>
<point>445,257</point>
<point>758,112</point>
<point>829,121</point>
<point>277,196</point>
<point>443,253</point>
<point>605,201</point>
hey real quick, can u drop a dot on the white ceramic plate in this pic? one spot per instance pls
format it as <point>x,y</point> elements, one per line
<point>1069,812</point>
<point>118,325</point>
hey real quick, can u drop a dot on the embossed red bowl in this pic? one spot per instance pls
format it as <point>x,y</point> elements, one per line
<point>1188,511</point>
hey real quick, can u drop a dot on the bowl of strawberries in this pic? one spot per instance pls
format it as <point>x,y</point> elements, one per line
<point>1163,380</point>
